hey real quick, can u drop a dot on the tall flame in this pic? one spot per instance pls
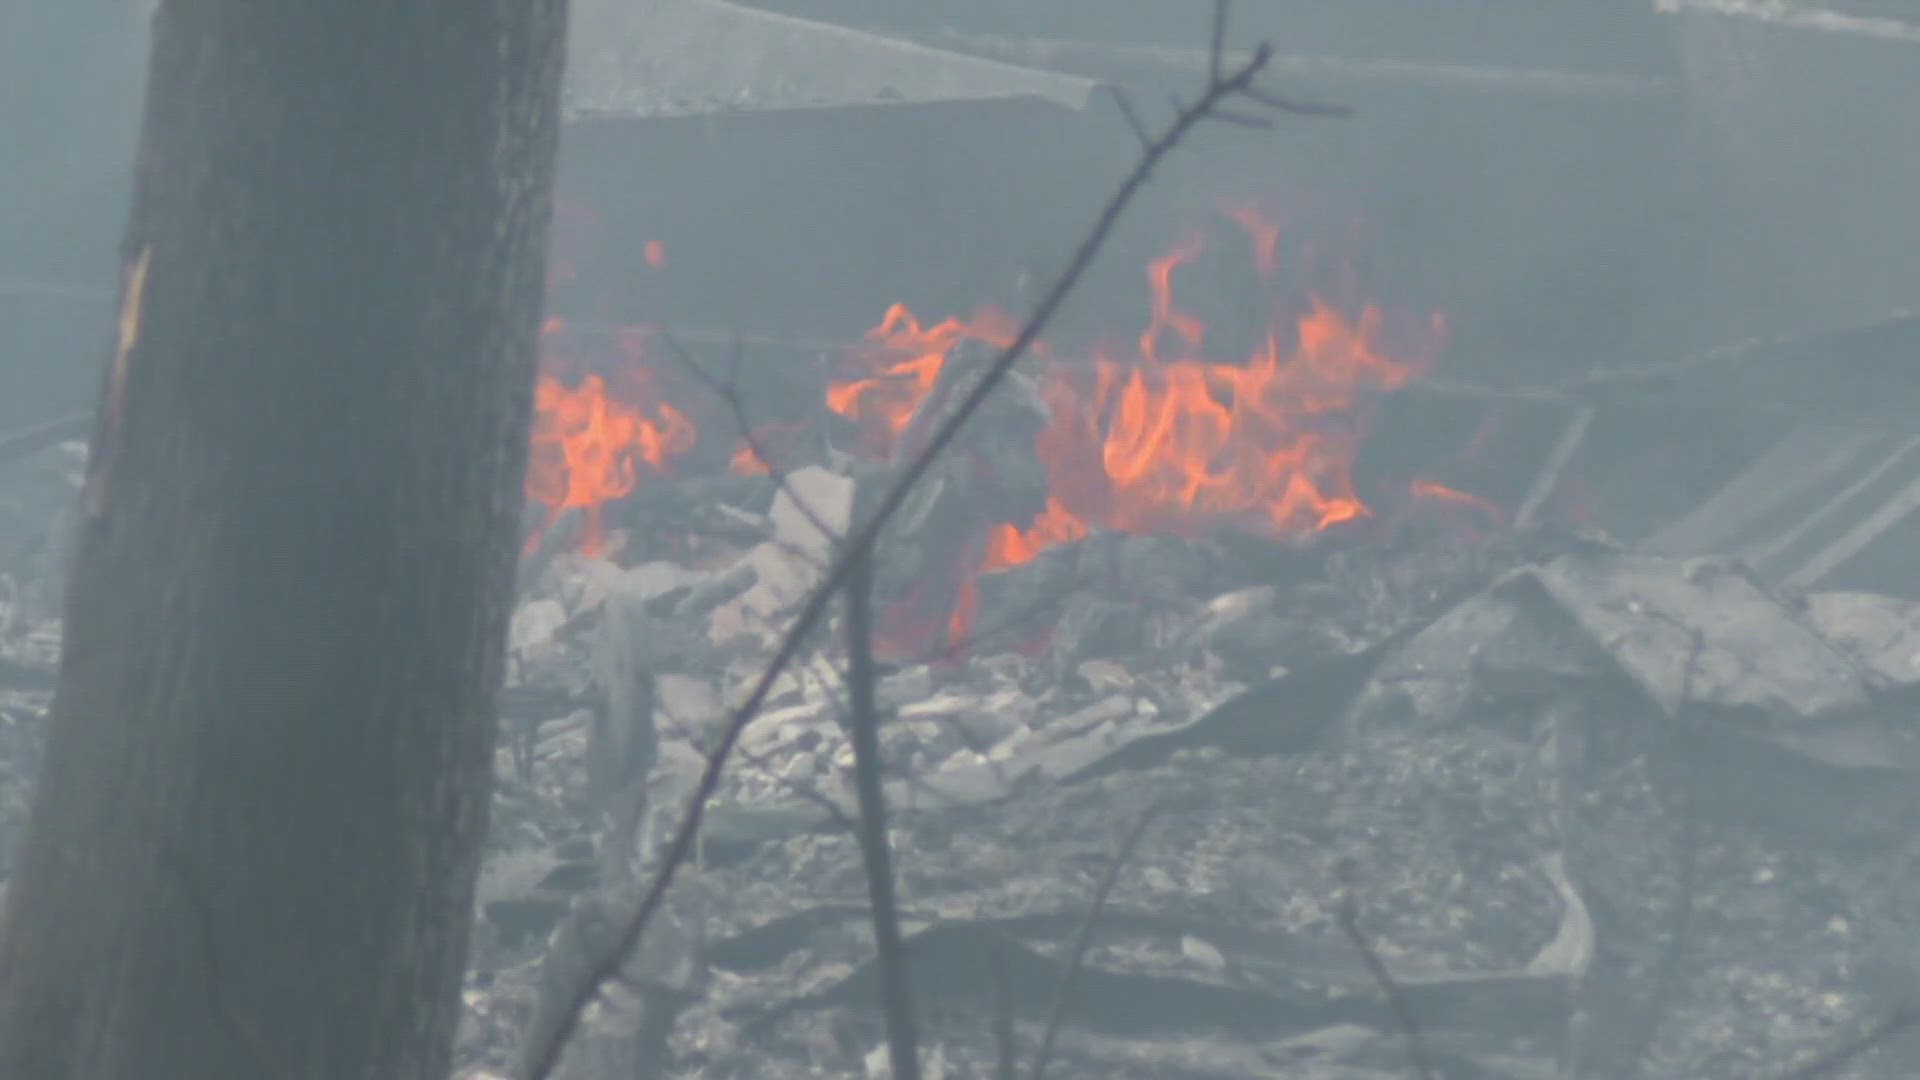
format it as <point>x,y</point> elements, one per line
<point>1164,439</point>
<point>1157,435</point>
<point>590,447</point>
<point>906,359</point>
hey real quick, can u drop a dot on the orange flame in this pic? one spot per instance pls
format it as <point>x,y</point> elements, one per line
<point>1265,236</point>
<point>746,461</point>
<point>907,358</point>
<point>589,448</point>
<point>1156,437</point>
<point>1189,439</point>
<point>965,604</point>
<point>1010,546</point>
<point>1167,440</point>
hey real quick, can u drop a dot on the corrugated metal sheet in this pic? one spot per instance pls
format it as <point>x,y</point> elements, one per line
<point>1808,507</point>
<point>662,58</point>
<point>1108,60</point>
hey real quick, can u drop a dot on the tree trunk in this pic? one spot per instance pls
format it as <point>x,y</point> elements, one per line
<point>261,809</point>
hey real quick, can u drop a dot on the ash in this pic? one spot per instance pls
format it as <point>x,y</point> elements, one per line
<point>1516,760</point>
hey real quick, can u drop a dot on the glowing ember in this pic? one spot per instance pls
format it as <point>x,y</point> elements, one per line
<point>1428,489</point>
<point>589,446</point>
<point>768,446</point>
<point>960,623</point>
<point>655,253</point>
<point>746,461</point>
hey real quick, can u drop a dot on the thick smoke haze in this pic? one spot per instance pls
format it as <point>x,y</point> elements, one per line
<point>1468,504</point>
<point>70,87</point>
<point>1575,184</point>
<point>70,81</point>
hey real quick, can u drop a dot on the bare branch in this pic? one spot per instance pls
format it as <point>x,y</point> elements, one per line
<point>1257,123</point>
<point>1083,940</point>
<point>1299,108</point>
<point>728,390</point>
<point>863,731</point>
<point>1125,103</point>
<point>544,1055</point>
<point>1216,52</point>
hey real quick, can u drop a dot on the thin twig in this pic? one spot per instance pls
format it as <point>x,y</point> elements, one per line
<point>863,731</point>
<point>1083,941</point>
<point>1299,108</point>
<point>1125,104</point>
<point>1216,52</point>
<point>1396,996</point>
<point>728,390</point>
<point>544,1055</point>
<point>1237,119</point>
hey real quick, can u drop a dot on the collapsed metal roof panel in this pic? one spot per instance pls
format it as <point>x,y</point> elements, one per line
<point>1110,60</point>
<point>664,58</point>
<point>1861,20</point>
<point>1807,508</point>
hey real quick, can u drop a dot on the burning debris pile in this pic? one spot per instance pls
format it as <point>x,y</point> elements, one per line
<point>1473,737</point>
<point>1589,800</point>
<point>1516,764</point>
<point>1152,437</point>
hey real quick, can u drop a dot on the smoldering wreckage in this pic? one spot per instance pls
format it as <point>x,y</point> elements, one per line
<point>1598,783</point>
<point>1585,710</point>
<point>1591,784</point>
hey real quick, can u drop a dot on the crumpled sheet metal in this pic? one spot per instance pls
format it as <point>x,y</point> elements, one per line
<point>1700,632</point>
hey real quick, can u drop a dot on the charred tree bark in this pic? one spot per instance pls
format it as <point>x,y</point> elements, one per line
<point>261,809</point>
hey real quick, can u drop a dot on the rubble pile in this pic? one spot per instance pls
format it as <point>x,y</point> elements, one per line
<point>1596,807</point>
<point>1592,806</point>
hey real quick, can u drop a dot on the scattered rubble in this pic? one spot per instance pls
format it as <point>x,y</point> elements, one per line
<point>1596,807</point>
